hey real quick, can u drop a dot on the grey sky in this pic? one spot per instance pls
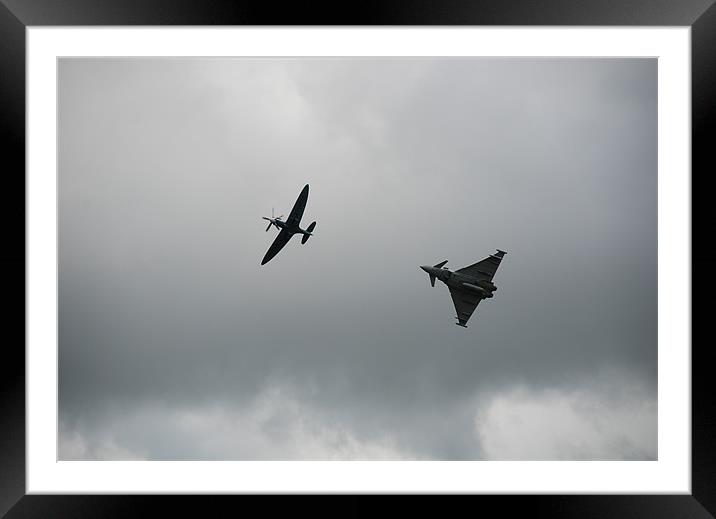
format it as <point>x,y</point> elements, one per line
<point>174,343</point>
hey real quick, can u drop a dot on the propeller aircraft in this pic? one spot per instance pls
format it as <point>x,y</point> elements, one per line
<point>289,227</point>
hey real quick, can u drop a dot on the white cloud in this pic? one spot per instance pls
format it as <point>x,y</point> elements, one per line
<point>75,446</point>
<point>592,422</point>
<point>567,425</point>
<point>275,425</point>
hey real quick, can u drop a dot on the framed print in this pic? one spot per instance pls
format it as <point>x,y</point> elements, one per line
<point>162,355</point>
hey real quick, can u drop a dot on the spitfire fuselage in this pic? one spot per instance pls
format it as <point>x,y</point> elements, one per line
<point>288,228</point>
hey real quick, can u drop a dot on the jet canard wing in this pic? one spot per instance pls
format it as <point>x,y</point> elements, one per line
<point>297,212</point>
<point>277,245</point>
<point>465,302</point>
<point>486,268</point>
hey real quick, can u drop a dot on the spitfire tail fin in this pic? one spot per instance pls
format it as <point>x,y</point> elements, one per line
<point>309,230</point>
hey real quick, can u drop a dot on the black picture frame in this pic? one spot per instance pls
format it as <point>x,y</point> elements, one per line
<point>16,15</point>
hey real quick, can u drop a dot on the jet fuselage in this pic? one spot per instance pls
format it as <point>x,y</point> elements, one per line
<point>461,281</point>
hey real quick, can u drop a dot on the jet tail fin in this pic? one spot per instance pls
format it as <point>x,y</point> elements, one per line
<point>438,266</point>
<point>309,230</point>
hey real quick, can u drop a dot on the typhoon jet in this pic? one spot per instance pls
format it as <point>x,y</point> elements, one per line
<point>468,286</point>
<point>289,227</point>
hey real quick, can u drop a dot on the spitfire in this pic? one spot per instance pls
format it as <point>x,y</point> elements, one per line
<point>469,285</point>
<point>289,227</point>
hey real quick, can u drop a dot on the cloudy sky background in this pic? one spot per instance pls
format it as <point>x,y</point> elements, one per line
<point>174,343</point>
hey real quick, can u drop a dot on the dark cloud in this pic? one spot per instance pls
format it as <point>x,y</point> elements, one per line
<point>165,167</point>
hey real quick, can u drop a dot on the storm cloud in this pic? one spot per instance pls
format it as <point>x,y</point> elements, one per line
<point>174,343</point>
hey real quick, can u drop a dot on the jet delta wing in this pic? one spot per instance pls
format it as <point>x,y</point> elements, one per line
<point>465,303</point>
<point>484,269</point>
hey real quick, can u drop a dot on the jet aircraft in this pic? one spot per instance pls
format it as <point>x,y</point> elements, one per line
<point>289,227</point>
<point>468,286</point>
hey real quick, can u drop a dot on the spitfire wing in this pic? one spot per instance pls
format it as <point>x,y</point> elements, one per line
<point>297,212</point>
<point>277,245</point>
<point>465,303</point>
<point>486,268</point>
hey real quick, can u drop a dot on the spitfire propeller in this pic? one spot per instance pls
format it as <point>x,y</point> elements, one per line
<point>272,220</point>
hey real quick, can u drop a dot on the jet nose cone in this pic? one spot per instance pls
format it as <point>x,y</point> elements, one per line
<point>424,267</point>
